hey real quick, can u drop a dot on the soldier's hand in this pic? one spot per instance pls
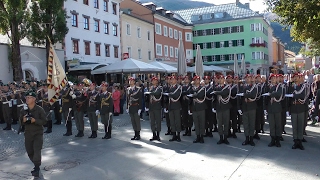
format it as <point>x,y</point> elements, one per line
<point>24,118</point>
<point>33,120</point>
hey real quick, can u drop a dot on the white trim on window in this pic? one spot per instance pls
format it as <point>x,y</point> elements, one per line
<point>188,36</point>
<point>128,29</point>
<point>158,28</point>
<point>159,49</point>
<point>175,34</point>
<point>176,52</point>
<point>170,32</point>
<point>171,51</point>
<point>166,50</point>
<point>165,31</point>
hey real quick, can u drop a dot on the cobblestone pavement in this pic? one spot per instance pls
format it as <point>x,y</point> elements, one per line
<point>12,144</point>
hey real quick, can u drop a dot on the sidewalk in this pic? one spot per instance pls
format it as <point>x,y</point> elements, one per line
<point>121,158</point>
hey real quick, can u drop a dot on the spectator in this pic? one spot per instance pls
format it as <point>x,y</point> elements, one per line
<point>116,100</point>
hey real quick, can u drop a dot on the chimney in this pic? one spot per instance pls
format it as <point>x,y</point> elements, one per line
<point>247,5</point>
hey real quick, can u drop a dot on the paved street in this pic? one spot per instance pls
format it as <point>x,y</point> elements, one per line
<point>120,158</point>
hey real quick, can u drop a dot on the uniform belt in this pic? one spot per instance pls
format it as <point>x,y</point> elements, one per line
<point>134,104</point>
<point>296,103</point>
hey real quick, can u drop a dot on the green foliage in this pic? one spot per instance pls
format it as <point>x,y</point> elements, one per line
<point>313,48</point>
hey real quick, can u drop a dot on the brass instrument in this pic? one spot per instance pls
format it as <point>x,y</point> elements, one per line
<point>87,81</point>
<point>104,101</point>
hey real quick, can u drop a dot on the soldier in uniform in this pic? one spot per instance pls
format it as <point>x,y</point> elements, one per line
<point>93,109</point>
<point>105,110</point>
<point>185,104</point>
<point>134,106</point>
<point>284,87</point>
<point>209,113</point>
<point>297,110</point>
<point>66,98</point>
<point>233,110</point>
<point>47,107</point>
<point>33,118</point>
<point>259,110</point>
<point>14,115</point>
<point>222,107</point>
<point>165,100</point>
<point>7,106</point>
<point>80,105</point>
<point>175,92</point>
<point>198,108</point>
<point>273,110</point>
<point>214,117</point>
<point>248,109</point>
<point>21,101</point>
<point>57,112</point>
<point>155,108</point>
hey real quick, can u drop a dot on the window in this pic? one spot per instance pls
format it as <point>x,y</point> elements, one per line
<point>252,27</point>
<point>98,49</point>
<point>74,20</point>
<point>189,53</point>
<point>180,35</point>
<point>170,33</point>
<point>241,29</point>
<point>240,42</point>
<point>257,26</point>
<point>114,8</point>
<point>86,23</point>
<point>158,28</point>
<point>189,37</point>
<point>139,32</point>
<point>149,55</point>
<point>105,5</point>
<point>218,15</point>
<point>139,53</point>
<point>175,34</point>
<point>148,34</point>
<point>96,25</point>
<point>176,52</point>
<point>87,48</point>
<point>165,30</point>
<point>129,51</point>
<point>114,30</point>
<point>106,27</point>
<point>258,55</point>
<point>171,51</point>
<point>206,16</point>
<point>222,57</point>
<point>166,53</point>
<point>75,46</point>
<point>107,50</point>
<point>86,2</point>
<point>96,4</point>
<point>128,29</point>
<point>159,49</point>
<point>115,50</point>
<point>195,18</point>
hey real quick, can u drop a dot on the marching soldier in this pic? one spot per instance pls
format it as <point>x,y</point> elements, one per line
<point>284,87</point>
<point>7,106</point>
<point>273,110</point>
<point>21,101</point>
<point>155,108</point>
<point>222,107</point>
<point>233,101</point>
<point>57,111</point>
<point>48,109</point>
<point>105,110</point>
<point>186,102</point>
<point>66,99</point>
<point>80,105</point>
<point>14,108</point>
<point>209,113</point>
<point>198,108</point>
<point>248,109</point>
<point>165,100</point>
<point>259,110</point>
<point>93,109</point>
<point>174,109</point>
<point>214,117</point>
<point>134,106</point>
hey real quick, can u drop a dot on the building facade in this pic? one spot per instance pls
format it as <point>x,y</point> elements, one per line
<point>94,31</point>
<point>168,29</point>
<point>278,51</point>
<point>229,30</point>
<point>137,31</point>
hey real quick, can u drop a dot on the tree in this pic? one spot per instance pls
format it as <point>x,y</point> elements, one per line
<point>13,22</point>
<point>312,50</point>
<point>48,19</point>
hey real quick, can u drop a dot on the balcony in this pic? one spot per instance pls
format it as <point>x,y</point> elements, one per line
<point>257,45</point>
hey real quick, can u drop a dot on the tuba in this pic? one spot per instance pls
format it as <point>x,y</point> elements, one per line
<point>87,81</point>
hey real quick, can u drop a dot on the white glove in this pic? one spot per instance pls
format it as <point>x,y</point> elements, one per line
<point>139,112</point>
<point>240,112</point>
<point>316,118</point>
<point>146,109</point>
<point>51,111</point>
<point>127,111</point>
<point>59,102</point>
<point>97,112</point>
<point>73,96</point>
<point>265,112</point>
<point>25,107</point>
<point>110,114</point>
<point>71,93</point>
<point>70,109</point>
<point>189,112</point>
<point>287,113</point>
<point>213,110</point>
<point>165,110</point>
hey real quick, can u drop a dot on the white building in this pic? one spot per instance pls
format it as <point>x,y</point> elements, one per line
<point>94,31</point>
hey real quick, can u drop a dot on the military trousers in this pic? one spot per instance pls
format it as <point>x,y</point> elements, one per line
<point>56,110</point>
<point>135,121</point>
<point>259,118</point>
<point>78,116</point>
<point>93,119</point>
<point>223,118</point>
<point>186,118</point>
<point>249,119</point>
<point>33,144</point>
<point>297,120</point>
<point>67,117</point>
<point>7,113</point>
<point>175,120</point>
<point>106,120</point>
<point>155,120</point>
<point>209,118</point>
<point>199,119</point>
<point>283,119</point>
<point>233,117</point>
<point>275,124</point>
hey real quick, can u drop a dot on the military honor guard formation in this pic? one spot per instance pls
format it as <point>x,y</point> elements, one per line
<point>205,105</point>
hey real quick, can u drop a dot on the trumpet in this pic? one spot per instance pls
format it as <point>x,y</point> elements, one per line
<point>87,81</point>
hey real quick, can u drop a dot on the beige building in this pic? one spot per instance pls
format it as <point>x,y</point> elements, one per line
<point>137,37</point>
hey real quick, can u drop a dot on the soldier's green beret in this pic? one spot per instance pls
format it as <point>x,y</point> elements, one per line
<point>31,93</point>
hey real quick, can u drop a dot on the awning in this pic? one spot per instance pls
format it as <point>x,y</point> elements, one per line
<point>87,67</point>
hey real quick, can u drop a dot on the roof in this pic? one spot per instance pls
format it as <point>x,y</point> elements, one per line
<point>231,11</point>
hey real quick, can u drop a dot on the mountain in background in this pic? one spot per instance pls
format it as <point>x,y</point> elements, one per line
<point>278,31</point>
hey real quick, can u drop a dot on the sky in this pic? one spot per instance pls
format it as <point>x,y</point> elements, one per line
<point>255,5</point>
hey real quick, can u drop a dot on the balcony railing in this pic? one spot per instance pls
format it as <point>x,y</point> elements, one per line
<point>257,45</point>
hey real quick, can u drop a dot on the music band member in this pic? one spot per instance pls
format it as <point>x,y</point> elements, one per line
<point>7,106</point>
<point>79,107</point>
<point>105,110</point>
<point>66,100</point>
<point>186,103</point>
<point>92,110</point>
<point>174,109</point>
<point>209,114</point>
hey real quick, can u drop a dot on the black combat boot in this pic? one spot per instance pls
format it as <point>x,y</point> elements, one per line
<point>201,139</point>
<point>256,136</point>
<point>225,140</point>
<point>8,127</point>
<point>295,145</point>
<point>36,171</point>
<point>251,141</point>
<point>174,137</point>
<point>57,122</point>
<point>14,121</point>
<point>229,134</point>
<point>234,133</point>
<point>210,132</point>
<point>221,140</point>
<point>92,135</point>
<point>304,140</point>
<point>186,132</point>
<point>178,137</point>
<point>109,131</point>
<point>273,141</point>
<point>80,134</point>
<point>278,141</point>
<point>197,139</point>
<point>168,132</point>
<point>106,132</point>
<point>281,138</point>
<point>154,136</point>
<point>22,128</point>
<point>138,135</point>
<point>246,142</point>
<point>205,133</point>
<point>215,128</point>
<point>300,144</point>
<point>158,136</point>
<point>135,135</point>
<point>49,127</point>
<point>49,130</point>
